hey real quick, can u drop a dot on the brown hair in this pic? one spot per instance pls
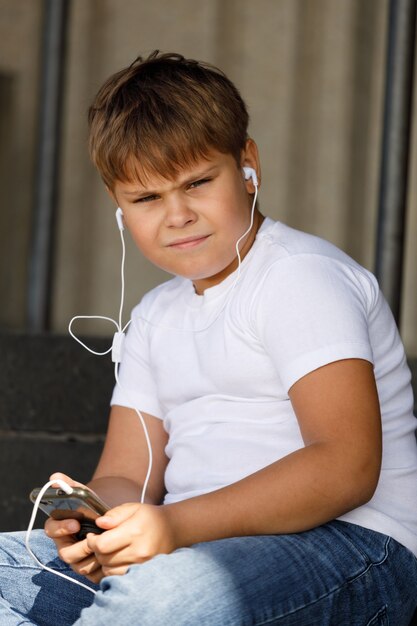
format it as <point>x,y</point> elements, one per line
<point>162,114</point>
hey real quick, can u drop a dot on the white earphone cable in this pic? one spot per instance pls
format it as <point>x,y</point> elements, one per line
<point>118,324</point>
<point>68,490</point>
<point>146,433</point>
<point>116,349</point>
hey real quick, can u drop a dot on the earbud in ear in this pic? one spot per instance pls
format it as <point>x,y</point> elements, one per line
<point>119,219</point>
<point>249,172</point>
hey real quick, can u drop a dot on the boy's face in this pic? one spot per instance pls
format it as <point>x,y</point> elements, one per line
<point>189,226</point>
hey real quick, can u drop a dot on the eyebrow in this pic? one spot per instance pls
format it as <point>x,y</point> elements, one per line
<point>151,192</point>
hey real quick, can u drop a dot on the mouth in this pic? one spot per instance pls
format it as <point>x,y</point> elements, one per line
<point>188,242</point>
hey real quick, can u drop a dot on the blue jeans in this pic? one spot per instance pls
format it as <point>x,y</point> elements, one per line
<point>336,575</point>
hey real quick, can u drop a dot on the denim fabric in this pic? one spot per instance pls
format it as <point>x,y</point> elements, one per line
<point>336,575</point>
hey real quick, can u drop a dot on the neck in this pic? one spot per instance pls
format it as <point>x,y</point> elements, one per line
<point>205,283</point>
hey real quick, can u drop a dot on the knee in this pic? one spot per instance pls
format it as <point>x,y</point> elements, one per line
<point>182,588</point>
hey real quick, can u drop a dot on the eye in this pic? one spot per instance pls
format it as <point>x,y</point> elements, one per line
<point>145,199</point>
<point>198,183</point>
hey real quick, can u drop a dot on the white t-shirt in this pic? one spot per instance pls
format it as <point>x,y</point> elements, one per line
<point>217,369</point>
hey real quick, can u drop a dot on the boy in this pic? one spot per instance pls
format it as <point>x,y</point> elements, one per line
<point>276,397</point>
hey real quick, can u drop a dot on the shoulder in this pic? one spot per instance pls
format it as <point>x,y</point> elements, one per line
<point>311,305</point>
<point>291,261</point>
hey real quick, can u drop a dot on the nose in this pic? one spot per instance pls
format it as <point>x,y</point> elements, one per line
<point>178,213</point>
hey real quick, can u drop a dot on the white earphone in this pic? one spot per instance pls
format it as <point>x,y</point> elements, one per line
<point>119,218</point>
<point>249,172</point>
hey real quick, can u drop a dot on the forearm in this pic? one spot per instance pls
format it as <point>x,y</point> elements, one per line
<point>115,490</point>
<point>301,491</point>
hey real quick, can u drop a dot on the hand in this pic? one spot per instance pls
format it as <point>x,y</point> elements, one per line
<point>134,534</point>
<point>76,553</point>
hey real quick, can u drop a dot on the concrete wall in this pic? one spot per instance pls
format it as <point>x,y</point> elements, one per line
<point>20,24</point>
<point>312,73</point>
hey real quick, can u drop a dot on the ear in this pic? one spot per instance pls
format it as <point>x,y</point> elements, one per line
<point>250,158</point>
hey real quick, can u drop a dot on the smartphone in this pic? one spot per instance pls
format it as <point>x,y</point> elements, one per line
<point>82,504</point>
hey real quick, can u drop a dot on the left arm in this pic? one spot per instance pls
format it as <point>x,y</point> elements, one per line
<point>338,413</point>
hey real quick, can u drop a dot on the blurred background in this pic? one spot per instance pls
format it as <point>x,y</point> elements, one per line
<point>313,73</point>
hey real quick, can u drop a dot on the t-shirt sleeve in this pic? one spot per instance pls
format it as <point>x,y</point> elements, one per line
<point>136,388</point>
<point>310,311</point>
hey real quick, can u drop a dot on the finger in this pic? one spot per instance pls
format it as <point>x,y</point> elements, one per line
<point>123,557</point>
<point>65,478</point>
<point>110,541</point>
<point>96,576</point>
<point>91,541</point>
<point>117,515</point>
<point>74,552</point>
<point>115,559</point>
<point>61,528</point>
<point>106,522</point>
<point>115,571</point>
<point>87,567</point>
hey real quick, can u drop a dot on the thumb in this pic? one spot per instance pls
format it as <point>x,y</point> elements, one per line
<point>116,516</point>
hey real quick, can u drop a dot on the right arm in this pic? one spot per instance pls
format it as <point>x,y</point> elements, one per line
<point>118,478</point>
<point>123,464</point>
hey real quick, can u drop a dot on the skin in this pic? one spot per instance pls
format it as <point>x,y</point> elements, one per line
<point>189,226</point>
